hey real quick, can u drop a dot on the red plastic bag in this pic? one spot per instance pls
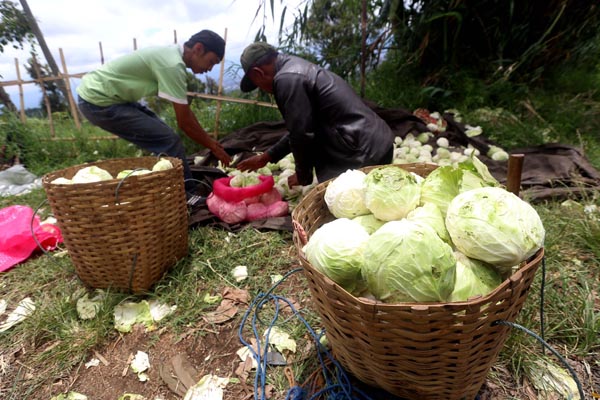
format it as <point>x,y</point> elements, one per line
<point>234,194</point>
<point>16,241</point>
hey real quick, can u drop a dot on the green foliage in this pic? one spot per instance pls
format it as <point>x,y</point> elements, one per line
<point>41,152</point>
<point>513,40</point>
<point>14,28</point>
<point>333,34</point>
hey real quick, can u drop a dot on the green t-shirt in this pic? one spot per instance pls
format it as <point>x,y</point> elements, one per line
<point>146,72</point>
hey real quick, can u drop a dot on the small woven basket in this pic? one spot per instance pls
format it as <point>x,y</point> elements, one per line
<point>122,233</point>
<point>423,351</point>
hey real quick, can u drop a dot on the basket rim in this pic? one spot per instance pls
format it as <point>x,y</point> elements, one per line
<point>475,301</point>
<point>50,176</point>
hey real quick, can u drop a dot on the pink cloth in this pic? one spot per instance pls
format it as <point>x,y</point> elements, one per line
<point>16,241</point>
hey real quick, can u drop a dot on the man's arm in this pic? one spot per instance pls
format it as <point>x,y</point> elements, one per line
<point>187,122</point>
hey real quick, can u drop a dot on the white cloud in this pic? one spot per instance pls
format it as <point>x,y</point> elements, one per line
<point>79,27</point>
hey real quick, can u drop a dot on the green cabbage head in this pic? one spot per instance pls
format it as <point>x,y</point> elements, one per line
<point>391,193</point>
<point>407,261</point>
<point>336,249</point>
<point>441,186</point>
<point>345,195</point>
<point>370,223</point>
<point>494,225</point>
<point>473,278</point>
<point>430,214</point>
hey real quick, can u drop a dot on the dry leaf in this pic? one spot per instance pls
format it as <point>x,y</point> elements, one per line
<point>225,312</point>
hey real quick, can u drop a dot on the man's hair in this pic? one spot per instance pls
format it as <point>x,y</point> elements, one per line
<point>210,40</point>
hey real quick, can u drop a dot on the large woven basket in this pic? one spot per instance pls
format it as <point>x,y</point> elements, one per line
<point>122,234</point>
<point>422,351</point>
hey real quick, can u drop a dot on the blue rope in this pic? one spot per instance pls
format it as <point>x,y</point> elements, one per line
<point>342,390</point>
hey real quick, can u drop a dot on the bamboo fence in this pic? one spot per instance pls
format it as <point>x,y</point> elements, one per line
<point>65,76</point>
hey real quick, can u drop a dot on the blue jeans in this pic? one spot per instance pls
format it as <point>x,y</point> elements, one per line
<point>141,126</point>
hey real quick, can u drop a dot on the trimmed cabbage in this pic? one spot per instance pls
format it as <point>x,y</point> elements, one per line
<point>473,278</point>
<point>441,186</point>
<point>336,250</point>
<point>91,174</point>
<point>430,215</point>
<point>494,225</point>
<point>391,192</point>
<point>407,261</point>
<point>369,222</point>
<point>475,175</point>
<point>162,165</point>
<point>345,195</point>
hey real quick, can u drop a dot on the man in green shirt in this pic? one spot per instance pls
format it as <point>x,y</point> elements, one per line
<point>109,96</point>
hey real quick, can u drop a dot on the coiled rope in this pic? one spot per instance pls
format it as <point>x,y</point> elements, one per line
<point>342,390</point>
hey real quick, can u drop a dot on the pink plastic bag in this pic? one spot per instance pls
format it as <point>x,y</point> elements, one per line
<point>16,241</point>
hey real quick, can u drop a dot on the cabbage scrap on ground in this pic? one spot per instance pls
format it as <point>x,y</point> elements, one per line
<point>450,236</point>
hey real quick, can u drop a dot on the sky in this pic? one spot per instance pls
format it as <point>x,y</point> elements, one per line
<point>79,26</point>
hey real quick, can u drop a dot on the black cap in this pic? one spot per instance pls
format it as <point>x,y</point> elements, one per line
<point>211,41</point>
<point>251,57</point>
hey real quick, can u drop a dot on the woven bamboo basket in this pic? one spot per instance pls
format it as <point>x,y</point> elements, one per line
<point>425,351</point>
<point>122,234</point>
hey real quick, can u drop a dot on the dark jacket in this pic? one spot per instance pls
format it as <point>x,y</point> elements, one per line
<point>330,128</point>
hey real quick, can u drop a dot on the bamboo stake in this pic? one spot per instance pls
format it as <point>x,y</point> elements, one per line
<point>74,110</point>
<point>513,176</point>
<point>45,96</point>
<point>174,36</point>
<point>21,94</point>
<point>220,90</point>
<point>101,53</point>
<point>42,79</point>
<point>134,44</point>
<point>232,99</point>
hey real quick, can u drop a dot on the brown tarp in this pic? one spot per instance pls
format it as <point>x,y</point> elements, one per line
<point>551,170</point>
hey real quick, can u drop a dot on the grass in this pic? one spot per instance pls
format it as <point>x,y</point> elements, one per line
<point>53,341</point>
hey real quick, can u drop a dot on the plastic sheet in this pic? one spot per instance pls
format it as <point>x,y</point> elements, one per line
<point>17,180</point>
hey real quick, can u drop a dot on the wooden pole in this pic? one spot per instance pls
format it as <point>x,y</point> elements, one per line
<point>513,176</point>
<point>38,72</point>
<point>174,36</point>
<point>101,53</point>
<point>21,94</point>
<point>74,110</point>
<point>363,47</point>
<point>220,90</point>
<point>134,44</point>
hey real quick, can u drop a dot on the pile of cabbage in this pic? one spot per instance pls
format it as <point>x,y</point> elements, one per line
<point>428,147</point>
<point>280,171</point>
<point>399,237</point>
<point>96,174</point>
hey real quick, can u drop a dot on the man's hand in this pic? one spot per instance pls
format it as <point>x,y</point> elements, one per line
<point>219,152</point>
<point>293,181</point>
<point>253,163</point>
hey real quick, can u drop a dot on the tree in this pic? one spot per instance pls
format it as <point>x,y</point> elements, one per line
<point>333,33</point>
<point>14,30</point>
<point>37,32</point>
<point>436,39</point>
<point>517,40</point>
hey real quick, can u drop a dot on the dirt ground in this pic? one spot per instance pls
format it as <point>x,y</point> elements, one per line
<point>211,349</point>
<point>214,353</point>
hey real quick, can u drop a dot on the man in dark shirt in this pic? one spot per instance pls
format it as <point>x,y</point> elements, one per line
<point>330,128</point>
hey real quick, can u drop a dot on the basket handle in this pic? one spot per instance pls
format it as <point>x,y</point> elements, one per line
<point>300,232</point>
